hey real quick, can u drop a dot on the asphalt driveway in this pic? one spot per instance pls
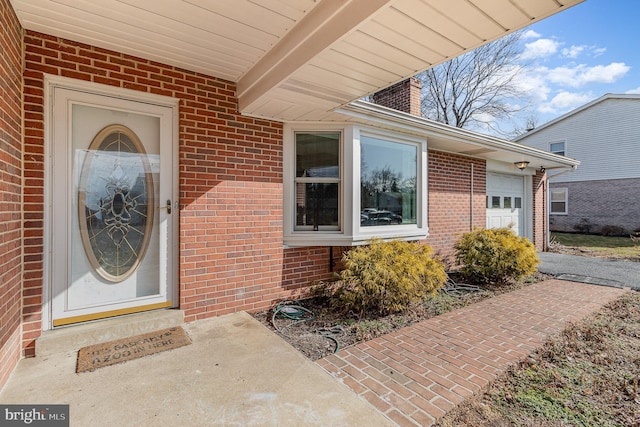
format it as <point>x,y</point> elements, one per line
<point>597,271</point>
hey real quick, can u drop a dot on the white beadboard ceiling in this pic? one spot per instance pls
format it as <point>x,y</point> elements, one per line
<point>291,59</point>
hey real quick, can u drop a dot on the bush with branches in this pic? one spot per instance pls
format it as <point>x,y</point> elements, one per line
<point>613,230</point>
<point>495,256</point>
<point>387,277</point>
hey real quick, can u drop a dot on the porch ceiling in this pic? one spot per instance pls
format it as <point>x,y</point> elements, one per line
<point>291,59</point>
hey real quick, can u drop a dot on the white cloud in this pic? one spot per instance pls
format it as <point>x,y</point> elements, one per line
<point>605,73</point>
<point>598,51</point>
<point>573,51</point>
<point>530,34</point>
<point>580,75</point>
<point>565,76</point>
<point>539,49</point>
<point>565,101</point>
<point>633,91</point>
<point>533,82</point>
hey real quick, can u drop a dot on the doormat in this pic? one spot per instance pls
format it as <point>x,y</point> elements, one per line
<point>109,353</point>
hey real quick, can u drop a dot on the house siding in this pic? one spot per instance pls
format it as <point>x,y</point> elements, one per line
<point>450,204</point>
<point>614,202</point>
<point>11,164</point>
<point>604,137</point>
<point>231,256</point>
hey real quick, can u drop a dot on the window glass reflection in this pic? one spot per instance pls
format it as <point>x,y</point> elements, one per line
<point>317,182</point>
<point>388,186</point>
<point>318,155</point>
<point>317,204</point>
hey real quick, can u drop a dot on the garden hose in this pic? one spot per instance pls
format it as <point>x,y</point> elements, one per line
<point>297,313</point>
<point>291,311</point>
<point>331,334</point>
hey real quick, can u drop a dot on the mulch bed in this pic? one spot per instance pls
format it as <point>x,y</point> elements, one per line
<point>331,329</point>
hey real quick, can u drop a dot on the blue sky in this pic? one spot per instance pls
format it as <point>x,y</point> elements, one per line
<point>579,55</point>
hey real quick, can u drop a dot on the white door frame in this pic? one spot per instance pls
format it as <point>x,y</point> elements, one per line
<point>52,82</point>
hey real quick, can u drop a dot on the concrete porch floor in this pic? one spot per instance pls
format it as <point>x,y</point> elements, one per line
<point>235,373</point>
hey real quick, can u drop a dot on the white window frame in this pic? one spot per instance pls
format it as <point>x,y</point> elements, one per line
<point>566,200</point>
<point>350,231</point>
<point>332,180</point>
<point>564,147</point>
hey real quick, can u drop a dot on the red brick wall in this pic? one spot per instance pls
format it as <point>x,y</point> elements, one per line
<point>450,205</point>
<point>10,189</point>
<point>403,96</point>
<point>230,168</point>
<point>231,255</point>
<point>539,210</point>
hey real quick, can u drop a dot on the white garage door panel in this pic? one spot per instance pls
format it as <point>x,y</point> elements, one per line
<point>494,221</point>
<point>502,182</point>
<point>505,202</point>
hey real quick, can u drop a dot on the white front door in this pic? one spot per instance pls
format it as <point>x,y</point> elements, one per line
<point>113,213</point>
<point>505,202</point>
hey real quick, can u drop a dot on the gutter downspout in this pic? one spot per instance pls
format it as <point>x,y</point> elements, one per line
<point>471,201</point>
<point>547,233</point>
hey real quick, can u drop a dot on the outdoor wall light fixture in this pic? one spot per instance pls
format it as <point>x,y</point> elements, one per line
<point>521,165</point>
<point>542,169</point>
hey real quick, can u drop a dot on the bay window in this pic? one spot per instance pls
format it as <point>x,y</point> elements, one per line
<point>344,185</point>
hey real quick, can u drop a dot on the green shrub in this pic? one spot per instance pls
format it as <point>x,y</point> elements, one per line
<point>387,277</point>
<point>495,256</point>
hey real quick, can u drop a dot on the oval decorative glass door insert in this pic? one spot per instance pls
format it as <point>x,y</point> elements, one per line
<point>115,202</point>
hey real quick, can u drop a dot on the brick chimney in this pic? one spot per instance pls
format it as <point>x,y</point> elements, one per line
<point>403,96</point>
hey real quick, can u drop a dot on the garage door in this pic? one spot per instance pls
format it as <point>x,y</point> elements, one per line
<point>505,202</point>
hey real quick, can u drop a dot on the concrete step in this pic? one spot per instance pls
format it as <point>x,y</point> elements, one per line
<point>72,338</point>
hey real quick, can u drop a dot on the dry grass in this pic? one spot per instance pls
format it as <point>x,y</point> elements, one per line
<point>600,246</point>
<point>587,376</point>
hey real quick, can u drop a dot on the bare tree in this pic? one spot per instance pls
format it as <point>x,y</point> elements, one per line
<point>476,89</point>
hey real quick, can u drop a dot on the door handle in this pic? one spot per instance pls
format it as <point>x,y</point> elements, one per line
<point>167,207</point>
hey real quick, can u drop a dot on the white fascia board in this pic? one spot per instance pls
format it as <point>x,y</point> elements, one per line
<point>366,111</point>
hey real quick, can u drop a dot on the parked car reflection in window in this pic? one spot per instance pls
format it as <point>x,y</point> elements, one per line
<point>372,216</point>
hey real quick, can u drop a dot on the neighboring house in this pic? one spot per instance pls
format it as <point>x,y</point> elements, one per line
<point>603,194</point>
<point>209,156</point>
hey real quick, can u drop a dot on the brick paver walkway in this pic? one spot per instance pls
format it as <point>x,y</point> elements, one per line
<point>417,374</point>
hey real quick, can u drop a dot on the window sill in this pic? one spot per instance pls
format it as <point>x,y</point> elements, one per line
<point>304,239</point>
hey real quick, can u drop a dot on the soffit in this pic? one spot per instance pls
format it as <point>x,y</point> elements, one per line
<point>291,59</point>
